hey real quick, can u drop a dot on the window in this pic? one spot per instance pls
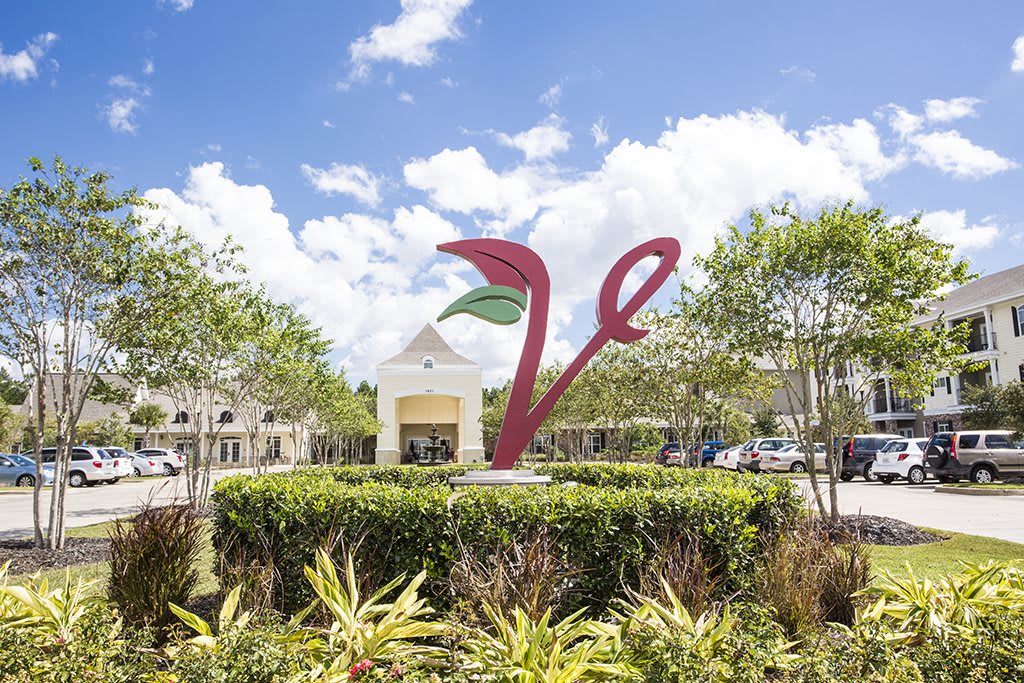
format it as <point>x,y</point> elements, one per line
<point>595,443</point>
<point>1021,371</point>
<point>268,416</point>
<point>226,417</point>
<point>428,363</point>
<point>944,426</point>
<point>4,462</point>
<point>181,417</point>
<point>1017,318</point>
<point>274,447</point>
<point>997,441</point>
<point>541,443</point>
<point>183,445</point>
<point>967,441</point>
<point>137,443</point>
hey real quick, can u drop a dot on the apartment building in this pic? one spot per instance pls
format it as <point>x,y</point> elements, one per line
<point>994,307</point>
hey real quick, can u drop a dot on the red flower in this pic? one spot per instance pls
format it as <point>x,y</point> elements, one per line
<point>359,668</point>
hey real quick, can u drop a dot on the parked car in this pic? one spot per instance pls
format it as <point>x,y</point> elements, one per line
<point>707,453</point>
<point>88,465</point>
<point>668,451</point>
<point>755,450</point>
<point>792,458</point>
<point>17,470</point>
<point>170,460</point>
<point>122,463</point>
<point>901,459</point>
<point>981,456</point>
<point>728,457</point>
<point>859,455</point>
<point>138,465</point>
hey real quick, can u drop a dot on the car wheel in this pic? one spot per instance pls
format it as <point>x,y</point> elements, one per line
<point>846,476</point>
<point>982,475</point>
<point>76,480</point>
<point>916,475</point>
<point>168,470</point>
<point>135,472</point>
<point>25,480</point>
<point>869,472</point>
<point>798,468</point>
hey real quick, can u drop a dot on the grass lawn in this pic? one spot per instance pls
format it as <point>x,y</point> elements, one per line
<point>934,559</point>
<point>997,486</point>
<point>101,570</point>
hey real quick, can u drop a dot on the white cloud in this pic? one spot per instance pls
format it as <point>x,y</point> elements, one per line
<point>951,227</point>
<point>958,156</point>
<point>407,98</point>
<point>799,72</point>
<point>214,147</point>
<point>942,111</point>
<point>551,96</point>
<point>411,39</point>
<point>1018,54</point>
<point>448,82</point>
<point>460,180</point>
<point>345,179</point>
<point>121,115</point>
<point>900,120</point>
<point>126,83</point>
<point>599,130</point>
<point>540,142</point>
<point>148,67</point>
<point>180,5</point>
<point>24,64</point>
<point>342,86</point>
<point>858,145</point>
<point>328,123</point>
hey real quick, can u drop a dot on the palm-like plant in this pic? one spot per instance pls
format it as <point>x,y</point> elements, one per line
<point>365,628</point>
<point>521,650</point>
<point>961,602</point>
<point>149,416</point>
<point>50,614</point>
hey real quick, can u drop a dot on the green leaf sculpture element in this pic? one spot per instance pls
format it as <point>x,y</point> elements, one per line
<point>496,304</point>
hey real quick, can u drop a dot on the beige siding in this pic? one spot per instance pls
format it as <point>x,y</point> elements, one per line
<point>1011,349</point>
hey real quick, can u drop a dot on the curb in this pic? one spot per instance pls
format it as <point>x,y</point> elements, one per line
<point>965,491</point>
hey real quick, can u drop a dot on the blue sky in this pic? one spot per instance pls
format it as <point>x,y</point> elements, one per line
<point>339,141</point>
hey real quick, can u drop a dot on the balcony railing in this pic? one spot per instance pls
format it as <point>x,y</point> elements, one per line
<point>981,342</point>
<point>893,405</point>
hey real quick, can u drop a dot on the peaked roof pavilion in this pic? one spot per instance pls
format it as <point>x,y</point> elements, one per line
<point>427,343</point>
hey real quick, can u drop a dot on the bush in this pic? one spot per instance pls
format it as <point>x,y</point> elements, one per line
<point>608,527</point>
<point>153,560</point>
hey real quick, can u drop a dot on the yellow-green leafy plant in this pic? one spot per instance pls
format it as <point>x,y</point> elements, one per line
<point>51,614</point>
<point>518,649</point>
<point>917,607</point>
<point>365,628</point>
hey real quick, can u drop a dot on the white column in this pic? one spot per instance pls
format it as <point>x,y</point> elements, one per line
<point>388,450</point>
<point>888,396</point>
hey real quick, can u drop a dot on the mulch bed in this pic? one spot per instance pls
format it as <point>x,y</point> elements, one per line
<point>25,558</point>
<point>881,531</point>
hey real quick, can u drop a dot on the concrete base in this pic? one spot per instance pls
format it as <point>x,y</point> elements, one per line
<point>499,478</point>
<point>387,456</point>
<point>472,455</point>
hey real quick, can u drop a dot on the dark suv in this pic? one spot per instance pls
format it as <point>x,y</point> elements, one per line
<point>859,455</point>
<point>668,454</point>
<point>979,455</point>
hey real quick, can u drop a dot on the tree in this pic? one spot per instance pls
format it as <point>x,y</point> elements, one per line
<point>765,422</point>
<point>623,387</point>
<point>149,416</point>
<point>12,392</point>
<point>343,421</point>
<point>495,400</point>
<point>197,356</point>
<point>80,274</point>
<point>820,297</point>
<point>691,365</point>
<point>108,431</point>
<point>1013,408</point>
<point>983,407</point>
<point>11,426</point>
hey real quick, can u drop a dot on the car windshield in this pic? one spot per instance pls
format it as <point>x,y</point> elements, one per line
<point>117,452</point>
<point>748,445</point>
<point>20,460</point>
<point>893,446</point>
<point>104,455</point>
<point>787,449</point>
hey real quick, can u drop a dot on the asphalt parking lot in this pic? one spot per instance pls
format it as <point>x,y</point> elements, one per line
<point>993,516</point>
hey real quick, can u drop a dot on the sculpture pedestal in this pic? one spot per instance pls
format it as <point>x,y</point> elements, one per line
<point>500,478</point>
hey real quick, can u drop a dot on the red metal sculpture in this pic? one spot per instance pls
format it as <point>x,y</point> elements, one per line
<point>514,272</point>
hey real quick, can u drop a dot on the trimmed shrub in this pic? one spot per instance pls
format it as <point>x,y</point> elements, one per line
<point>610,533</point>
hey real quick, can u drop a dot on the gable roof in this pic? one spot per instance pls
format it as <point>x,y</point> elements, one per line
<point>1006,284</point>
<point>427,343</point>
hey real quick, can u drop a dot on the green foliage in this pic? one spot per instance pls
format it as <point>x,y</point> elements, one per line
<point>403,522</point>
<point>994,407</point>
<point>108,431</point>
<point>11,426</point>
<point>149,416</point>
<point>12,391</point>
<point>518,649</point>
<point>153,563</point>
<point>764,422</point>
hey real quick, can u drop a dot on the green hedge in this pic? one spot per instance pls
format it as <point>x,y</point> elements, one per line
<point>404,520</point>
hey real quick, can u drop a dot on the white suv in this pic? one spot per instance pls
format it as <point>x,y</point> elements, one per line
<point>900,459</point>
<point>122,463</point>
<point>88,467</point>
<point>169,458</point>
